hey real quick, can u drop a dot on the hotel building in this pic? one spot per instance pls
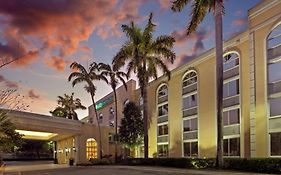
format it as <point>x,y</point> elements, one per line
<point>182,117</point>
<point>182,111</point>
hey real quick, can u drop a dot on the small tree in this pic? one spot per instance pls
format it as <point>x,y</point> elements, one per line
<point>67,106</point>
<point>131,129</point>
<point>9,138</point>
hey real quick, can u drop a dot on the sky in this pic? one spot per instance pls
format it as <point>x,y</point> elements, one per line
<point>47,36</point>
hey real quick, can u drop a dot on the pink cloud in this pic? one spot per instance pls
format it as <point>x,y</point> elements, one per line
<point>60,25</point>
<point>239,22</point>
<point>194,42</point>
<point>8,83</point>
<point>111,46</point>
<point>85,49</point>
<point>33,94</point>
<point>239,12</point>
<point>57,63</point>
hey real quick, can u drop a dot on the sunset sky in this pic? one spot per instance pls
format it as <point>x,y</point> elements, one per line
<point>49,35</point>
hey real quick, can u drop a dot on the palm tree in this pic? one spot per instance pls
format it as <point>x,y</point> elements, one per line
<point>81,75</point>
<point>67,107</point>
<point>145,55</point>
<point>199,10</point>
<point>113,77</point>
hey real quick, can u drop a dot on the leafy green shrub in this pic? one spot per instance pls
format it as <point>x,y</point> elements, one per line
<point>172,162</point>
<point>260,165</point>
<point>103,161</point>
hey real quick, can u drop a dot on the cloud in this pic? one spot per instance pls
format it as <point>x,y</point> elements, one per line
<point>30,28</point>
<point>194,43</point>
<point>57,63</point>
<point>239,22</point>
<point>238,12</point>
<point>8,83</point>
<point>164,4</point>
<point>33,94</point>
<point>85,49</point>
<point>111,46</point>
<point>197,37</point>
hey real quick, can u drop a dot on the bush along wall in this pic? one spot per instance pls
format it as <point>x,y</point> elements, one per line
<point>260,165</point>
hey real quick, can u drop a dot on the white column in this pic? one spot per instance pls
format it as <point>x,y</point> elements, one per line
<point>252,95</point>
<point>77,148</point>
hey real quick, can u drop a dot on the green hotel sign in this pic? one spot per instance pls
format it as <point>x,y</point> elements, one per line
<point>101,104</point>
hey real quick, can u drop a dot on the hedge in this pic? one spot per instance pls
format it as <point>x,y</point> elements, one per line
<point>260,165</point>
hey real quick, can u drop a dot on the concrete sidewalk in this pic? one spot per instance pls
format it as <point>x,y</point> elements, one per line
<point>182,171</point>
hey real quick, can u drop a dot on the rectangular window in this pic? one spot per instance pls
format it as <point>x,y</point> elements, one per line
<point>231,117</point>
<point>163,150</point>
<point>231,88</point>
<point>275,106</point>
<point>190,101</point>
<point>275,144</point>
<point>163,130</point>
<point>163,110</point>
<point>231,147</point>
<point>274,73</point>
<point>190,125</point>
<point>190,149</point>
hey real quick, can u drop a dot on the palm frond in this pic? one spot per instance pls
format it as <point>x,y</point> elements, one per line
<point>78,80</point>
<point>178,5</point>
<point>164,41</point>
<point>75,75</point>
<point>78,67</point>
<point>199,11</point>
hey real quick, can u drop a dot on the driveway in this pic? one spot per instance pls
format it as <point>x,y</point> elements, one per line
<point>37,168</point>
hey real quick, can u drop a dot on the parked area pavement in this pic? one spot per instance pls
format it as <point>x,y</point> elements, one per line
<point>46,168</point>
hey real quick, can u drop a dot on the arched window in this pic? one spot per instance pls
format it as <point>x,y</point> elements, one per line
<point>162,121</point>
<point>100,118</point>
<point>126,102</point>
<point>141,101</point>
<point>91,149</point>
<point>190,114</point>
<point>274,88</point>
<point>111,117</point>
<point>231,104</point>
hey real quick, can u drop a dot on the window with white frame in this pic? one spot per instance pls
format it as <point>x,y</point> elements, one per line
<point>230,61</point>
<point>163,110</point>
<point>162,125</point>
<point>275,143</point>
<point>100,118</point>
<point>189,79</point>
<point>163,150</point>
<point>231,88</point>
<point>190,120</point>
<point>163,130</point>
<point>163,91</point>
<point>231,146</point>
<point>190,125</point>
<point>231,114</point>
<point>231,117</point>
<point>190,149</point>
<point>189,101</point>
<point>274,88</point>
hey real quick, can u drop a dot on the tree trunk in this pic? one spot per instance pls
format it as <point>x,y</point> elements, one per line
<point>145,119</point>
<point>145,112</point>
<point>116,124</point>
<point>96,113</point>
<point>219,76</point>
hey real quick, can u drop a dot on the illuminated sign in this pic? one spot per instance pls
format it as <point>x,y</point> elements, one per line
<point>104,102</point>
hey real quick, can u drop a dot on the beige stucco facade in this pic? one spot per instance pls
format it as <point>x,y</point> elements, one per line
<point>70,137</point>
<point>248,133</point>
